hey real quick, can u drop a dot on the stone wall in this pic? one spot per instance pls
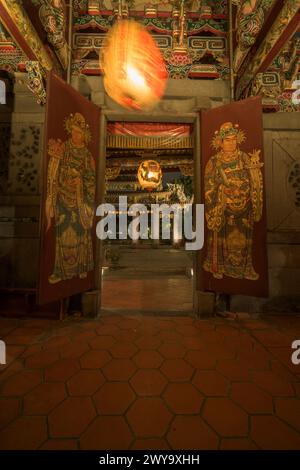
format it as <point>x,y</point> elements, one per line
<point>21,142</point>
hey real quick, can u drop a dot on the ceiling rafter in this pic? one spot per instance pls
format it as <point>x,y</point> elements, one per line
<point>17,22</point>
<point>284,26</point>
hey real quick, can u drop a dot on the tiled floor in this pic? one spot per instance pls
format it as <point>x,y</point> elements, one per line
<point>144,292</point>
<point>146,382</point>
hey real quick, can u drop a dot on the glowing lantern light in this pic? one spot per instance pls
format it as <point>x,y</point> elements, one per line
<point>149,174</point>
<point>134,70</point>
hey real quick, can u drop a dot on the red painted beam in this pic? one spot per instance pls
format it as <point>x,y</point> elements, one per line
<point>15,33</point>
<point>286,35</point>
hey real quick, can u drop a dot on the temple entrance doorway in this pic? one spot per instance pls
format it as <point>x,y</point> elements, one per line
<point>147,275</point>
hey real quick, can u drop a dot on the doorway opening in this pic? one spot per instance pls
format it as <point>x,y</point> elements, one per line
<point>148,275</point>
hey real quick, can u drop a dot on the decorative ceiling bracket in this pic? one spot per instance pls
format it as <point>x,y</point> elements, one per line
<point>35,77</point>
<point>250,19</point>
<point>54,20</point>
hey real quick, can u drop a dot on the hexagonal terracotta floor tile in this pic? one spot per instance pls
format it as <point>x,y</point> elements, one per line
<point>183,320</point>
<point>43,398</point>
<point>59,444</point>
<point>30,351</point>
<point>148,342</point>
<point>111,319</point>
<point>225,417</point>
<point>269,433</point>
<point>234,369</point>
<point>204,325</point>
<point>187,330</point>
<point>211,383</point>
<point>280,370</point>
<point>288,409</point>
<point>149,417</point>
<point>193,342</point>
<point>297,389</point>
<point>150,444</point>
<point>57,342</point>
<point>172,350</point>
<point>183,398</point>
<point>170,336</point>
<point>94,359</point>
<point>284,356</point>
<point>21,383</point>
<point>23,336</point>
<point>252,398</point>
<point>148,359</point>
<point>237,344</point>
<point>127,335</point>
<point>25,433</point>
<point>273,383</point>
<point>71,417</point>
<point>147,329</point>
<point>123,350</point>
<point>147,382</point>
<point>83,336</point>
<point>13,352</point>
<point>62,370</point>
<point>11,369</point>
<point>163,324</point>
<point>102,342</point>
<point>238,444</point>
<point>41,359</point>
<point>272,338</point>
<point>191,432</point>
<point>200,359</point>
<point>212,337</point>
<point>119,369</point>
<point>9,410</point>
<point>107,433</point>
<point>114,398</point>
<point>177,370</point>
<point>108,330</point>
<point>128,323</point>
<point>85,382</point>
<point>74,350</point>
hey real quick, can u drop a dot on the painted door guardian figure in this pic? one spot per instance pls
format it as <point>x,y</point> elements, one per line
<point>233,187</point>
<point>70,201</point>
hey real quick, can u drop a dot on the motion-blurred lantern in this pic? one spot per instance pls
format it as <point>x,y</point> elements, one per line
<point>134,71</point>
<point>149,174</point>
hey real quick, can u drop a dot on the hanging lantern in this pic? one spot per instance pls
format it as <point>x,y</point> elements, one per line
<point>134,70</point>
<point>149,174</point>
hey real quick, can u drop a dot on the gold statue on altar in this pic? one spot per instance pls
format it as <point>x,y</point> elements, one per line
<point>70,201</point>
<point>233,185</point>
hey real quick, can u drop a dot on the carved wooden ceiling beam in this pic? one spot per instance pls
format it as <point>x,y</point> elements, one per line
<point>49,18</point>
<point>250,20</point>
<point>285,25</point>
<point>17,22</point>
